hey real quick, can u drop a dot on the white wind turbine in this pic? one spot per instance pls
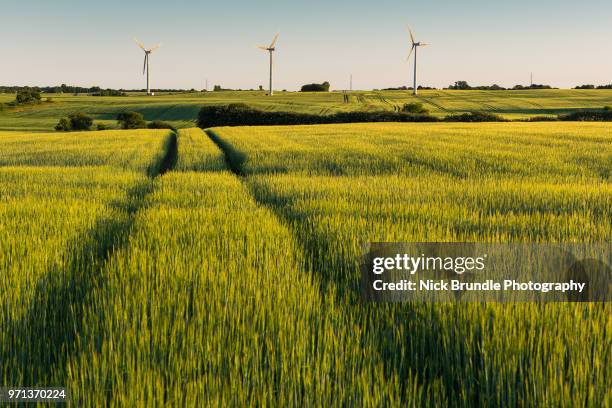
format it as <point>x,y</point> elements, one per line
<point>145,67</point>
<point>270,48</point>
<point>414,48</point>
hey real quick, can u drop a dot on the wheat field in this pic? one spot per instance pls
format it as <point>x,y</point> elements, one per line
<point>222,267</point>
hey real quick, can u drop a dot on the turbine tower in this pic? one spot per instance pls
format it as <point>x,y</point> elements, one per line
<point>270,48</point>
<point>414,48</point>
<point>145,67</point>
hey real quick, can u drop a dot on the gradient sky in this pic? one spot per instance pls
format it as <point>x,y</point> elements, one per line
<point>88,43</point>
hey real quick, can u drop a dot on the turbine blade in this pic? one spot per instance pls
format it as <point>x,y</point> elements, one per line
<point>424,44</point>
<point>156,47</point>
<point>139,44</point>
<point>410,53</point>
<point>144,65</point>
<point>262,47</point>
<point>411,35</point>
<point>273,43</point>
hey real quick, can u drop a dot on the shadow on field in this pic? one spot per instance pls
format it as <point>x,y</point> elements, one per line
<point>405,338</point>
<point>234,159</point>
<point>38,344</point>
<point>170,158</point>
<point>155,111</point>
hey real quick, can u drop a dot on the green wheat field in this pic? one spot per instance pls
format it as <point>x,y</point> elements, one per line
<point>221,266</point>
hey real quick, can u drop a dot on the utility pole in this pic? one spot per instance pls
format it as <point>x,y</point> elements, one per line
<point>531,80</point>
<point>206,85</point>
<point>351,83</point>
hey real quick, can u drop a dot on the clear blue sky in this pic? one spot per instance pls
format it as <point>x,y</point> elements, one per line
<point>89,43</point>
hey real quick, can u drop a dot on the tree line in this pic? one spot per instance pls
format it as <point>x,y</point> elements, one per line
<point>239,114</point>
<point>75,90</point>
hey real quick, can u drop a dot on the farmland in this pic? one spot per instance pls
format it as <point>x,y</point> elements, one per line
<point>145,270</point>
<point>181,108</point>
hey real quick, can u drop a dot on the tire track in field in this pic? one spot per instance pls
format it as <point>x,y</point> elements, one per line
<point>386,101</point>
<point>487,107</point>
<point>435,104</point>
<point>382,344</point>
<point>43,340</point>
<point>235,160</point>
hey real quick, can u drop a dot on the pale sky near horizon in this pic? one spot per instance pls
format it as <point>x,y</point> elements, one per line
<point>564,43</point>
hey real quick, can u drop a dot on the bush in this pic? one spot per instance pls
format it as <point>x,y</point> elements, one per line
<point>63,125</point>
<point>588,116</point>
<point>607,108</point>
<point>80,121</point>
<point>324,87</point>
<point>415,107</point>
<point>27,95</point>
<point>131,120</point>
<point>475,117</point>
<point>239,106</point>
<point>107,92</point>
<point>242,115</point>
<point>380,116</point>
<point>158,124</point>
<point>102,126</point>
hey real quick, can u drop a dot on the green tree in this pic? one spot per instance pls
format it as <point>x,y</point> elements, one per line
<point>80,121</point>
<point>63,125</point>
<point>461,85</point>
<point>324,87</point>
<point>27,95</point>
<point>131,120</point>
<point>414,107</point>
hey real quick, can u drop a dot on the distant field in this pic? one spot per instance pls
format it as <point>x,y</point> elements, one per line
<point>181,109</point>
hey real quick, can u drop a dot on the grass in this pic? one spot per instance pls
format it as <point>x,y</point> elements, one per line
<point>204,286</point>
<point>181,108</point>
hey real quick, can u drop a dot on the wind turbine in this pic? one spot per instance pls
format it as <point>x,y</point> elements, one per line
<point>270,48</point>
<point>145,67</point>
<point>415,46</point>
